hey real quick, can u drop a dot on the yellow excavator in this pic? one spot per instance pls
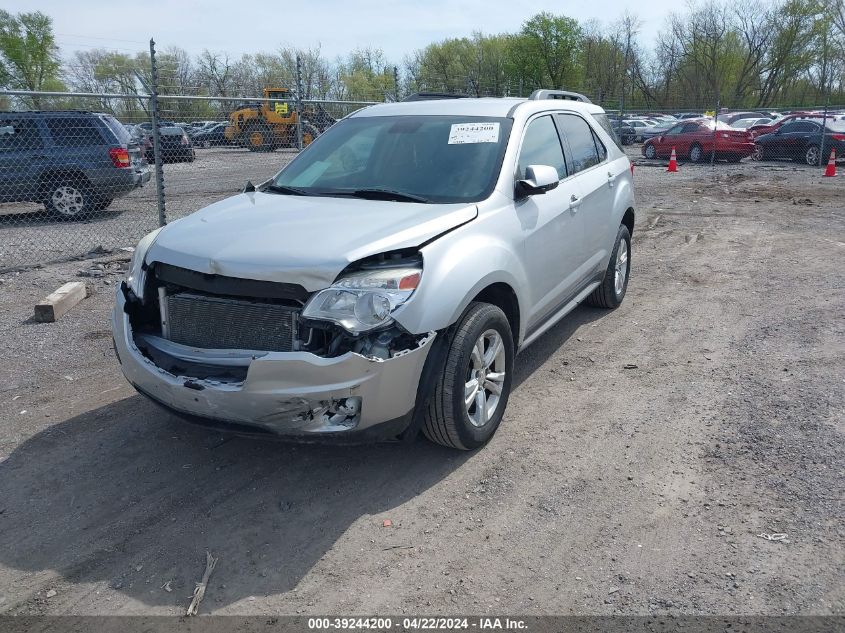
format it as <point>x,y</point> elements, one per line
<point>271,123</point>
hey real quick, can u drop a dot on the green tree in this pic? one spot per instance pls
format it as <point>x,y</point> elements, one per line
<point>29,57</point>
<point>548,47</point>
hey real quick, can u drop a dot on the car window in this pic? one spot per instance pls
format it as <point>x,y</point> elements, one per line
<point>541,146</point>
<point>689,127</point>
<point>675,129</point>
<point>74,132</point>
<point>441,158</point>
<point>581,140</point>
<point>603,121</point>
<point>120,132</point>
<point>18,134</point>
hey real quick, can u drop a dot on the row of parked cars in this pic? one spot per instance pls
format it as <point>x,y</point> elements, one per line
<point>807,136</point>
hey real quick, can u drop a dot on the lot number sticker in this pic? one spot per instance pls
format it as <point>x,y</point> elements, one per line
<point>474,133</point>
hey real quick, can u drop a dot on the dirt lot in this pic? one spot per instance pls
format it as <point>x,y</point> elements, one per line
<point>28,235</point>
<point>606,490</point>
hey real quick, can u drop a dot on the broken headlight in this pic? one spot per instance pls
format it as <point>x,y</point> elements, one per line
<point>135,278</point>
<point>363,301</point>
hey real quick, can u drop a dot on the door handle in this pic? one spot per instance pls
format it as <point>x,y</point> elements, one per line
<point>574,201</point>
<point>610,178</point>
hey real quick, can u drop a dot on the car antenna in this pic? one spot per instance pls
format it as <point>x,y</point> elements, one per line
<point>248,187</point>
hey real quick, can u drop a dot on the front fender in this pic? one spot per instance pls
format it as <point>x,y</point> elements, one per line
<point>458,266</point>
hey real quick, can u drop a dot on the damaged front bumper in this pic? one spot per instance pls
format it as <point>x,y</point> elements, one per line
<point>286,393</point>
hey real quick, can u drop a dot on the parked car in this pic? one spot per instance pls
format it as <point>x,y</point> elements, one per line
<point>697,141</point>
<point>385,279</point>
<point>730,117</point>
<point>656,130</point>
<point>176,146</point>
<point>771,126</point>
<point>211,136</point>
<point>801,141</point>
<point>639,127</point>
<point>745,124</point>
<point>688,115</point>
<point>73,162</point>
<point>624,132</point>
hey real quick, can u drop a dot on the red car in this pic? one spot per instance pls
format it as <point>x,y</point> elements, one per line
<point>695,140</point>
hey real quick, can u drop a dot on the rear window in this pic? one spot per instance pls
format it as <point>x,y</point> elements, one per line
<point>120,132</point>
<point>74,131</point>
<point>603,121</point>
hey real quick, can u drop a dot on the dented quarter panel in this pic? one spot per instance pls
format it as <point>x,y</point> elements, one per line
<point>297,239</point>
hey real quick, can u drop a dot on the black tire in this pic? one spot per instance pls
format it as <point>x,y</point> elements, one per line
<point>309,133</point>
<point>759,152</point>
<point>260,138</point>
<point>812,155</point>
<point>696,153</point>
<point>734,158</point>
<point>447,420</point>
<point>70,200</point>
<point>606,295</point>
<point>101,204</point>
<point>650,151</point>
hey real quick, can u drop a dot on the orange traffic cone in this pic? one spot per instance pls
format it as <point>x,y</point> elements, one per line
<point>673,162</point>
<point>831,164</point>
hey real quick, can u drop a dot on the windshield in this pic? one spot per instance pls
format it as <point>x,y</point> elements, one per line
<point>426,158</point>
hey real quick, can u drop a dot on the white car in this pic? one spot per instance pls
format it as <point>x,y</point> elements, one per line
<point>383,282</point>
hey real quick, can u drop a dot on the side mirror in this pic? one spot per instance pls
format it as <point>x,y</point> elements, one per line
<point>538,179</point>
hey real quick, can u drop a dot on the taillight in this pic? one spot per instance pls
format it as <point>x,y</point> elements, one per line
<point>119,156</point>
<point>632,170</point>
<point>838,137</point>
<point>184,140</point>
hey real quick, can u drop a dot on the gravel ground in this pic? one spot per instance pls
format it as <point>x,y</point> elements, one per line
<point>29,236</point>
<point>606,490</point>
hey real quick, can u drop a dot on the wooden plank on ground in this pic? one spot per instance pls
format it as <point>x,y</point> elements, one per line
<point>55,305</point>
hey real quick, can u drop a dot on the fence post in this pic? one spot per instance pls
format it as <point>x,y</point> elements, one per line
<point>395,83</point>
<point>159,170</point>
<point>715,127</point>
<point>299,102</point>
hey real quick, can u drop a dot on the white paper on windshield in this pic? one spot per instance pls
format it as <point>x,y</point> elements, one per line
<point>474,133</point>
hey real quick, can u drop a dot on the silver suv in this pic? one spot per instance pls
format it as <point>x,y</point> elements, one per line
<point>383,282</point>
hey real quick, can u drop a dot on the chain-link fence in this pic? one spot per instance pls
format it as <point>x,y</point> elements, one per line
<point>82,172</point>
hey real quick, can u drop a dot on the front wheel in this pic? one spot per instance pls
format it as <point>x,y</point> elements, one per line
<point>650,151</point>
<point>812,155</point>
<point>758,153</point>
<point>470,394</point>
<point>611,291</point>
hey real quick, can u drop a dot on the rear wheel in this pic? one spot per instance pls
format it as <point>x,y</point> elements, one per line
<point>471,392</point>
<point>696,154</point>
<point>758,153</point>
<point>70,200</point>
<point>812,155</point>
<point>650,151</point>
<point>309,133</point>
<point>614,285</point>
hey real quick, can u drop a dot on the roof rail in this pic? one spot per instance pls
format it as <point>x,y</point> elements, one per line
<point>429,96</point>
<point>558,94</point>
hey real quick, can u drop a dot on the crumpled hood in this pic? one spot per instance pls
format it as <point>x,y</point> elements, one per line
<point>298,239</point>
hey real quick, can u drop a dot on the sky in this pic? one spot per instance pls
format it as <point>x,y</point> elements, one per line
<point>397,27</point>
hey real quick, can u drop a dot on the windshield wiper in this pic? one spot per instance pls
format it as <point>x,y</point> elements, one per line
<point>286,190</point>
<point>384,194</point>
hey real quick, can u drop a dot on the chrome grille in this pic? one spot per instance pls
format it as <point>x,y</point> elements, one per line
<point>220,323</point>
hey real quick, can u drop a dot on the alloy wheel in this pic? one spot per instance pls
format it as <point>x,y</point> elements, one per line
<point>485,378</point>
<point>621,267</point>
<point>68,201</point>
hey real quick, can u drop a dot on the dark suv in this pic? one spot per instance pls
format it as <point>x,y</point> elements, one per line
<point>73,162</point>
